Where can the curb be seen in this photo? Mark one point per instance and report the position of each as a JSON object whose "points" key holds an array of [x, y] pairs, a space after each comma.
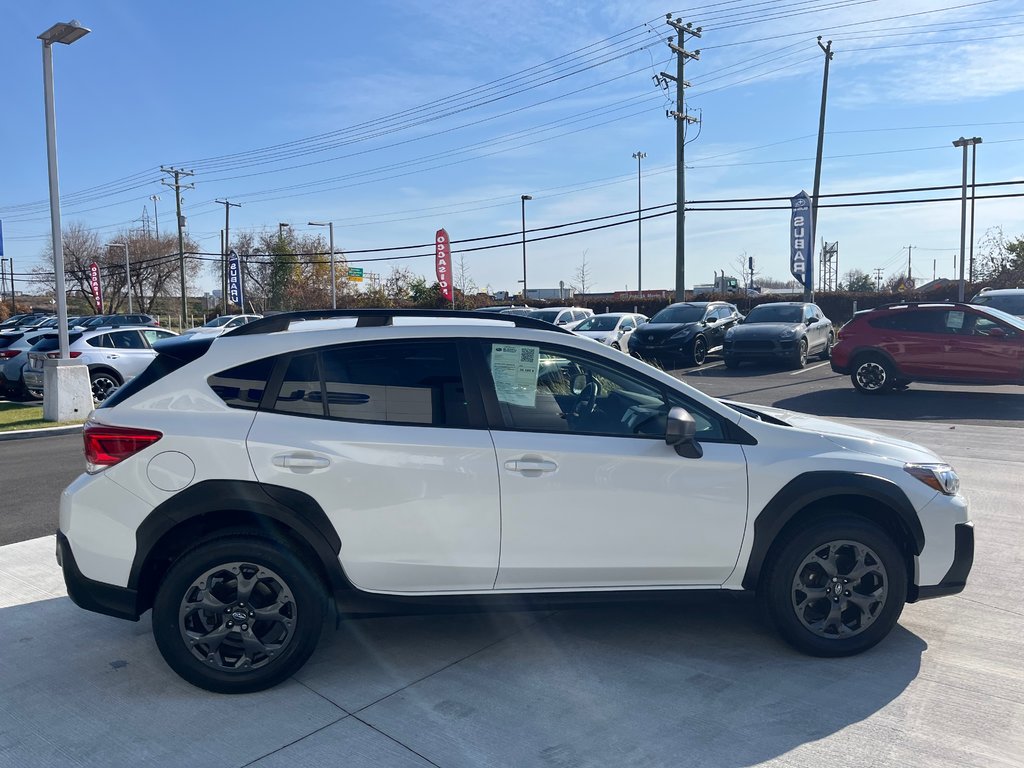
{"points": [[26, 434]]}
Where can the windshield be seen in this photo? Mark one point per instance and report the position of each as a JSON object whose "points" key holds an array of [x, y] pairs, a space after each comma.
{"points": [[1012, 303], [547, 315], [599, 323], [217, 322], [1006, 317], [680, 314], [775, 314]]}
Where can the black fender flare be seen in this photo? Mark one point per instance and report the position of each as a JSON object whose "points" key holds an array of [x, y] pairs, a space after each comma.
{"points": [[280, 506], [811, 487]]}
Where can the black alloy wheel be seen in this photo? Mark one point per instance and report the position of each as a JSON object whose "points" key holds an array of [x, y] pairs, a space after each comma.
{"points": [[872, 375], [103, 385], [837, 587], [700, 351], [238, 614]]}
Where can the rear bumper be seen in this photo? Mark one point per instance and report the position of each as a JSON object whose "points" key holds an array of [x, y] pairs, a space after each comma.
{"points": [[956, 577], [32, 379], [120, 602]]}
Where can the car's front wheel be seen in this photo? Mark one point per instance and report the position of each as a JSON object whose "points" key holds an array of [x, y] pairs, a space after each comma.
{"points": [[830, 342], [800, 358], [837, 587], [700, 351], [237, 615], [872, 375], [731, 362]]}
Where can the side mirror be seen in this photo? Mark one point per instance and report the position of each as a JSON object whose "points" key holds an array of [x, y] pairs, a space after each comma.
{"points": [[579, 382], [711, 321], [680, 433], [997, 333]]}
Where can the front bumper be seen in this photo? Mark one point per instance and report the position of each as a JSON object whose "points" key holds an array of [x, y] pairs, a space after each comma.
{"points": [[759, 349], [110, 600], [956, 577], [668, 350]]}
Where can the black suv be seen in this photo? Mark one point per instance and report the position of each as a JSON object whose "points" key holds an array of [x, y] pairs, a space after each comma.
{"points": [[686, 331]]}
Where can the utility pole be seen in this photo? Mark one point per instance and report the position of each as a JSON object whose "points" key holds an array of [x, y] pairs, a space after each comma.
{"points": [[910, 274], [224, 250], [974, 169], [682, 121], [827, 49], [964, 143], [178, 186], [156, 216], [878, 279]]}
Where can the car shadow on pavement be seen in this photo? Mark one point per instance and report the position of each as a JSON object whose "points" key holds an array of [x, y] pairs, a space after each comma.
{"points": [[910, 405], [693, 681]]}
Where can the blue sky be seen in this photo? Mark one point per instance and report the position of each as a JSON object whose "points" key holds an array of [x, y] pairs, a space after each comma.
{"points": [[189, 83]]}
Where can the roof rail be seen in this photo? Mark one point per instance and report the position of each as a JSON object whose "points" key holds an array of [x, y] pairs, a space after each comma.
{"points": [[370, 318], [931, 303]]}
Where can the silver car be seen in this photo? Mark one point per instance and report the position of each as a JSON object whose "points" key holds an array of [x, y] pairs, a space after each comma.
{"points": [[14, 347], [611, 328], [113, 356]]}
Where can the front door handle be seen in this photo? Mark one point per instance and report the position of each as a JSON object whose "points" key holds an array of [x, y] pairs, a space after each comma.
{"points": [[300, 461], [530, 465]]}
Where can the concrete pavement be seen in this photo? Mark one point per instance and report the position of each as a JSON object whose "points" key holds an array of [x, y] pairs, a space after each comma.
{"points": [[698, 683]]}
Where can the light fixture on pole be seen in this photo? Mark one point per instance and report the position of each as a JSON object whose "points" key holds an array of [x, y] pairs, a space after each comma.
{"points": [[127, 272], [522, 200], [60, 404], [638, 156], [330, 229], [964, 143], [280, 229]]}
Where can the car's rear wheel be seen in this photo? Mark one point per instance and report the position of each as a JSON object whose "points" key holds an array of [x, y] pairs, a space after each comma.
{"points": [[238, 614], [700, 351], [103, 385], [830, 342], [872, 375], [837, 587]]}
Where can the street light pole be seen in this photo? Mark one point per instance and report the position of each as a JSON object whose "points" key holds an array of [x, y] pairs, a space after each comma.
{"points": [[638, 156], [67, 395], [156, 216], [330, 229], [522, 201], [964, 143], [127, 273]]}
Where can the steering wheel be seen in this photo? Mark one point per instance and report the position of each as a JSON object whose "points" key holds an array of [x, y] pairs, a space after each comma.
{"points": [[587, 400]]}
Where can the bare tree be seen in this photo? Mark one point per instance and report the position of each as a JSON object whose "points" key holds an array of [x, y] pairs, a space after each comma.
{"points": [[581, 278], [463, 280]]}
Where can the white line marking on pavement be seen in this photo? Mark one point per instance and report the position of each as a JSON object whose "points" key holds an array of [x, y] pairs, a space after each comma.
{"points": [[802, 370]]}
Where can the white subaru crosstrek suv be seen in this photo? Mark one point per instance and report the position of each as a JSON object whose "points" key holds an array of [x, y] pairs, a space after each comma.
{"points": [[241, 482]]}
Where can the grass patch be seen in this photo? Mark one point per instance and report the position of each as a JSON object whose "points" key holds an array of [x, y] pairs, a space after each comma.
{"points": [[17, 416]]}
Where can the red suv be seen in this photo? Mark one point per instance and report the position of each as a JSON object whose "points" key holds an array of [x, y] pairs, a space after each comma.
{"points": [[946, 343]]}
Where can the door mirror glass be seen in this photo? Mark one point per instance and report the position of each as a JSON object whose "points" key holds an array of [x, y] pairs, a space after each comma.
{"points": [[711, 320], [680, 433]]}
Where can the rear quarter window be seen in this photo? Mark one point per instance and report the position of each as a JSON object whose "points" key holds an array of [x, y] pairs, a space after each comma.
{"points": [[243, 386]]}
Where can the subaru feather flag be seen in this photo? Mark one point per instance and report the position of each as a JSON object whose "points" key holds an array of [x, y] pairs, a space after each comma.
{"points": [[236, 291], [801, 241]]}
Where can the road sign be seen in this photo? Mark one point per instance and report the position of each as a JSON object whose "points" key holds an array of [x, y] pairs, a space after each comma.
{"points": [[355, 274]]}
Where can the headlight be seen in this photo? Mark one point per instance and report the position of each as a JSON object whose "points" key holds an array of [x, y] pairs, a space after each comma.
{"points": [[788, 334], [682, 334], [941, 477]]}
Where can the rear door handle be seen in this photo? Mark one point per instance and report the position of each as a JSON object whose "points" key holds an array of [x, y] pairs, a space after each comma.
{"points": [[300, 461], [530, 465]]}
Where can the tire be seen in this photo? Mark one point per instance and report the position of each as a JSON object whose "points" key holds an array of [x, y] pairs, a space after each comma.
{"points": [[615, 345], [250, 654], [817, 603], [826, 353], [872, 375], [800, 359], [103, 385], [700, 351], [731, 362]]}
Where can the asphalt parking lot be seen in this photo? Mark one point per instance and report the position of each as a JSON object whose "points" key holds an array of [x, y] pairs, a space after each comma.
{"points": [[698, 681]]}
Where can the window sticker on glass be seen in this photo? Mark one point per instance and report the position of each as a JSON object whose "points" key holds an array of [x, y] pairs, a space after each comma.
{"points": [[955, 320], [514, 369]]}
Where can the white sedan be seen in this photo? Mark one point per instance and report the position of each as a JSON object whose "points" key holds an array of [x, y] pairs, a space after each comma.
{"points": [[612, 328]]}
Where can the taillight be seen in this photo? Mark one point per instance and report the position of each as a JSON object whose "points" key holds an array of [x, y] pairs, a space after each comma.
{"points": [[7, 354], [56, 355], [107, 446]]}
